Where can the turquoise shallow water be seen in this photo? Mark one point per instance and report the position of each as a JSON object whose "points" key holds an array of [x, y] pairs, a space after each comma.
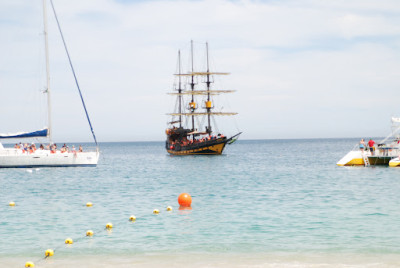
{"points": [[268, 197]]}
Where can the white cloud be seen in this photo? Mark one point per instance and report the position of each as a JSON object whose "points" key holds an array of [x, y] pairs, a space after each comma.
{"points": [[353, 25], [313, 68]]}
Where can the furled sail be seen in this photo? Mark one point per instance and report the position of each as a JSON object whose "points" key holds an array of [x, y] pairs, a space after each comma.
{"points": [[202, 74], [198, 114], [38, 133], [201, 92]]}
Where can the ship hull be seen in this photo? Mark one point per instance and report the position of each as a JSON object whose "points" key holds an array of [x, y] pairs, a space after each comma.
{"points": [[10, 158], [208, 148]]}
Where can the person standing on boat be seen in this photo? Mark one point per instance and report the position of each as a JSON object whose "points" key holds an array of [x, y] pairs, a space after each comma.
{"points": [[371, 144], [362, 145]]}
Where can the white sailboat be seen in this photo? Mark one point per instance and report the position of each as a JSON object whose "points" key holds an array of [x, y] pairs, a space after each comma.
{"points": [[47, 156]]}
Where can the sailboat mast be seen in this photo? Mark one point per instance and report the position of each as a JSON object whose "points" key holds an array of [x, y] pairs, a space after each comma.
{"points": [[46, 42], [180, 90], [208, 103], [192, 104]]}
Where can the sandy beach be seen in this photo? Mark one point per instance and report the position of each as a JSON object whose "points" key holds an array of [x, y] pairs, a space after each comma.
{"points": [[213, 260]]}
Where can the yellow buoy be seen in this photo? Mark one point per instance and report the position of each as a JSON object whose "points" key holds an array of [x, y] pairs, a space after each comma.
{"points": [[49, 253], [156, 211], [169, 208], [69, 241], [132, 218], [29, 264], [89, 204], [11, 204], [89, 233], [109, 225]]}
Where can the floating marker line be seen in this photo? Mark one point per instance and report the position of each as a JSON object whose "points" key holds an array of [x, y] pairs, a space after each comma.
{"points": [[109, 226]]}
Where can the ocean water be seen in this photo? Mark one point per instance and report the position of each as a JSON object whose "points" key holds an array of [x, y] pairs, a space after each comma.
{"points": [[264, 203]]}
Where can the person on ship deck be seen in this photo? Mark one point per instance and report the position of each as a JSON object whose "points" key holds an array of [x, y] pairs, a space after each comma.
{"points": [[371, 144], [362, 145]]}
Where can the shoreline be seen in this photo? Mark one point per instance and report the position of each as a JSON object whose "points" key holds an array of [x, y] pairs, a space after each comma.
{"points": [[221, 260]]}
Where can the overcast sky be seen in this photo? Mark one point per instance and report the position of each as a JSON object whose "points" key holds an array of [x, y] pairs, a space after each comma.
{"points": [[301, 69]]}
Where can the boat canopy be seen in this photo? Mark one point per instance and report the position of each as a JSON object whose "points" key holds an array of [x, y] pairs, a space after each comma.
{"points": [[38, 133], [197, 133], [395, 119]]}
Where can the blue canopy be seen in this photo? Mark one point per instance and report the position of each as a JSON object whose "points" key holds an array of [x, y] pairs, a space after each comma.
{"points": [[37, 133]]}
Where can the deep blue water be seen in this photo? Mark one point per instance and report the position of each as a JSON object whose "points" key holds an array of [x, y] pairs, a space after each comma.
{"points": [[259, 196]]}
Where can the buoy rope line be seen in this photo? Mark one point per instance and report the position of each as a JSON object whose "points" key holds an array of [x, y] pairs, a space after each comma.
{"points": [[51, 252], [184, 201], [89, 233]]}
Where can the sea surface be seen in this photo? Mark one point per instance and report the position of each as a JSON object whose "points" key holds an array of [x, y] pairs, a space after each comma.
{"points": [[263, 203]]}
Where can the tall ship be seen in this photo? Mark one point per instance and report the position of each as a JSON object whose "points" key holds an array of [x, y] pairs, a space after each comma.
{"points": [[192, 126], [27, 154]]}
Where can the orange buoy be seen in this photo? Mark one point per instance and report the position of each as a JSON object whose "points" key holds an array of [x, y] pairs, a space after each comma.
{"points": [[185, 200]]}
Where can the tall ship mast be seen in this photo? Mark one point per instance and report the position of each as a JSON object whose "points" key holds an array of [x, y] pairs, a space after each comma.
{"points": [[187, 134]]}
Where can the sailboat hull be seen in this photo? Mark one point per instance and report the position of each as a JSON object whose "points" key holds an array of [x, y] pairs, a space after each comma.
{"points": [[11, 158], [214, 148]]}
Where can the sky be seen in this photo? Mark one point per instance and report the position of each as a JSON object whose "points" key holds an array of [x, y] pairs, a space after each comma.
{"points": [[301, 69]]}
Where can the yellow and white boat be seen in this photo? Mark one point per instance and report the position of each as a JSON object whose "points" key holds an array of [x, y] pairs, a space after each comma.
{"points": [[395, 162], [385, 153]]}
